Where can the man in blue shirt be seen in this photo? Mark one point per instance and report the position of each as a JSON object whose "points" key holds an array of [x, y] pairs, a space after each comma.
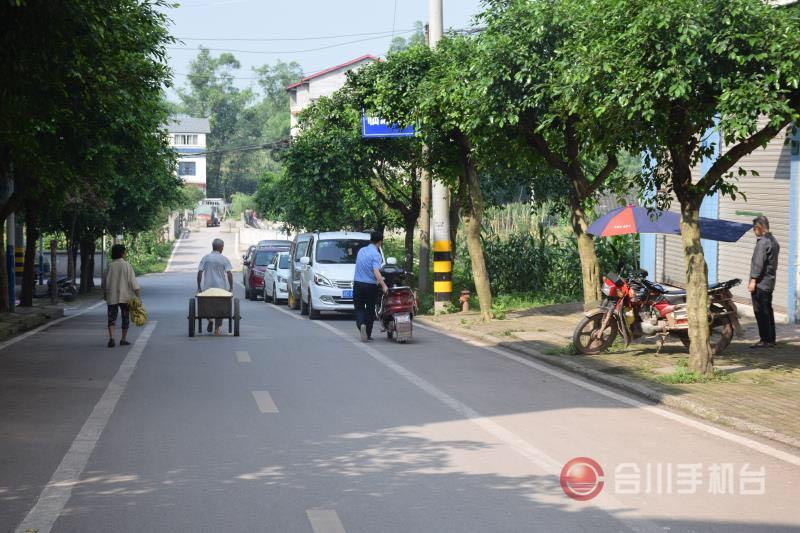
{"points": [[365, 284]]}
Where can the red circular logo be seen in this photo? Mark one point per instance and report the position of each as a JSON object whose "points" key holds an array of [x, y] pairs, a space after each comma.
{"points": [[582, 478]]}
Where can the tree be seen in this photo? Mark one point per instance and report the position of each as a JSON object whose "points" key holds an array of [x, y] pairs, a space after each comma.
{"points": [[681, 69], [356, 182], [239, 118], [213, 94], [529, 90], [431, 88], [417, 38], [85, 114]]}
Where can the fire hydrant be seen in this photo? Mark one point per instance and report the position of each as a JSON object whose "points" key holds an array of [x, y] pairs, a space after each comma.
{"points": [[464, 299]]}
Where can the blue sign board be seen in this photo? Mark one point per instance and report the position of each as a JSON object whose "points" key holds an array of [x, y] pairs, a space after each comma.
{"points": [[374, 128]]}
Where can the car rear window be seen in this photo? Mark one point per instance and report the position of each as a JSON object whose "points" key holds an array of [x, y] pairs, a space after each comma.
{"points": [[339, 251], [264, 258]]}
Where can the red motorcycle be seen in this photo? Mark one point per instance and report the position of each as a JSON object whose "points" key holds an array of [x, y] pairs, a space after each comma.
{"points": [[398, 306], [636, 308]]}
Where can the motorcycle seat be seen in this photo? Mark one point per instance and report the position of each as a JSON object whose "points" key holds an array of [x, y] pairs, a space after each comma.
{"points": [[675, 297]]}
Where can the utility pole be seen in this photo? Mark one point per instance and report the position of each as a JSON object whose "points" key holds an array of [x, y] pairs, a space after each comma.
{"points": [[440, 198], [425, 214]]}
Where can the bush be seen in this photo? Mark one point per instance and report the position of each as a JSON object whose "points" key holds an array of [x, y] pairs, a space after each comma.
{"points": [[147, 253], [541, 265], [240, 202]]}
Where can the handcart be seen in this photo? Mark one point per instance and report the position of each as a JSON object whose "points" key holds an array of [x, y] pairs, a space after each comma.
{"points": [[211, 307]]}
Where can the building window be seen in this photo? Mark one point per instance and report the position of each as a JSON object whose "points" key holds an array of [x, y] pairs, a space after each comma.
{"points": [[187, 168], [184, 139]]}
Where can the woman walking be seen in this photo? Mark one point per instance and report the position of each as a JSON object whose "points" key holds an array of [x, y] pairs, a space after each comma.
{"points": [[119, 288]]}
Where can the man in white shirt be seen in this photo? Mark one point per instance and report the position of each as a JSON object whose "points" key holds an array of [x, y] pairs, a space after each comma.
{"points": [[215, 272]]}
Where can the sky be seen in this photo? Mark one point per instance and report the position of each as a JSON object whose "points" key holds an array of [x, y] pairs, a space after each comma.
{"points": [[228, 24]]}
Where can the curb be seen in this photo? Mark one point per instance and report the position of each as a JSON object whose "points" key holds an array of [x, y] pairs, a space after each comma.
{"points": [[639, 389]]}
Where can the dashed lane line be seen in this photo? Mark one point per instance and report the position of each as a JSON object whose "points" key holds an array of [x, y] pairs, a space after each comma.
{"points": [[58, 490], [325, 521], [243, 357], [264, 401]]}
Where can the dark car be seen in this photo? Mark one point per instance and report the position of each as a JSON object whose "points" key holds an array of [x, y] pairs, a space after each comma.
{"points": [[254, 266]]}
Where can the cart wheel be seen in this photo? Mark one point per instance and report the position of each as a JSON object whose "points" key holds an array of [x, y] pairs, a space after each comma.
{"points": [[192, 313], [236, 317]]}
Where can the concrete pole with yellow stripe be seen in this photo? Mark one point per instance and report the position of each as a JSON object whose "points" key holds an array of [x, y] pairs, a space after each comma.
{"points": [[440, 198]]}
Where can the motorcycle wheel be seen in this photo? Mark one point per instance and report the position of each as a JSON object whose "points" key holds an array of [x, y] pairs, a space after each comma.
{"points": [[721, 336], [584, 342]]}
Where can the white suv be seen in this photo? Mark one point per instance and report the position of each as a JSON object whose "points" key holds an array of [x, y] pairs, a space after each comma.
{"points": [[326, 276]]}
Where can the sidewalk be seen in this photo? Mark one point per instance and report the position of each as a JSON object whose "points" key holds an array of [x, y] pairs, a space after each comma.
{"points": [[27, 318], [755, 390]]}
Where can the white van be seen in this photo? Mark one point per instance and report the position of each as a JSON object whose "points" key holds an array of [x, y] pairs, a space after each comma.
{"points": [[327, 271]]}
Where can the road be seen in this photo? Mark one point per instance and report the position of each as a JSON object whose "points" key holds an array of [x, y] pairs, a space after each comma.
{"points": [[296, 426]]}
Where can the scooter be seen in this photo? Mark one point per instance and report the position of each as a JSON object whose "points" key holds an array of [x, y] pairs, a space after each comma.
{"points": [[398, 305]]}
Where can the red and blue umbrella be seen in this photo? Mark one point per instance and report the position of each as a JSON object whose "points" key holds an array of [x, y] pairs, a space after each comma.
{"points": [[635, 219]]}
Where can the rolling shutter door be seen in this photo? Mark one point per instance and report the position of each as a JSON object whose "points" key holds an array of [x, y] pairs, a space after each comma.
{"points": [[672, 269], [768, 193]]}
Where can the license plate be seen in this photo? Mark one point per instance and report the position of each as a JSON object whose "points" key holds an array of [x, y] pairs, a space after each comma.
{"points": [[405, 317], [348, 294]]}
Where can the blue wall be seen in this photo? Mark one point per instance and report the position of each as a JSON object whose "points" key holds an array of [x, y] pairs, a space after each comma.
{"points": [[710, 206], [791, 305], [709, 209]]}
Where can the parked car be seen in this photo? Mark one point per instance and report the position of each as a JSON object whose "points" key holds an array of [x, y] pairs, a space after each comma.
{"points": [[275, 242], [326, 279], [296, 252], [276, 278], [255, 266]]}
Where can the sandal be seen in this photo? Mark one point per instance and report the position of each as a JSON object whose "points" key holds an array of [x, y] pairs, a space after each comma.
{"points": [[111, 343], [124, 343]]}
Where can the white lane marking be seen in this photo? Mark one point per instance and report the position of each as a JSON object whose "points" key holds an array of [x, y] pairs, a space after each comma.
{"points": [[243, 357], [178, 243], [43, 327], [325, 521], [264, 401], [665, 413], [511, 439], [56, 493]]}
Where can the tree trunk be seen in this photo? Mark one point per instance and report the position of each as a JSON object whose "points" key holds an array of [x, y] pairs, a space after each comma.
{"points": [[4, 304], [701, 359], [29, 270], [86, 250], [473, 220], [590, 266], [408, 226], [425, 233], [455, 219]]}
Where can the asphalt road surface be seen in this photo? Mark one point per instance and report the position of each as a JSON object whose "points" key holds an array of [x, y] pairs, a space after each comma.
{"points": [[296, 426]]}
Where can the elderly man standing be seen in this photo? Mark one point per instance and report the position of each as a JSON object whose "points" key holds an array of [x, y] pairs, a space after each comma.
{"points": [[763, 272], [215, 272]]}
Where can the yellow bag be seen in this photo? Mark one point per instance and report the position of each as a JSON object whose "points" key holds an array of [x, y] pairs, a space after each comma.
{"points": [[138, 312]]}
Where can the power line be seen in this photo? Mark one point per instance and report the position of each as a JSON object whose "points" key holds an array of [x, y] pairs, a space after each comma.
{"points": [[274, 39], [280, 143], [284, 51]]}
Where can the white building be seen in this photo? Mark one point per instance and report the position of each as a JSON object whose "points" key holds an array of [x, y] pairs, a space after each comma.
{"points": [[323, 83], [188, 137]]}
